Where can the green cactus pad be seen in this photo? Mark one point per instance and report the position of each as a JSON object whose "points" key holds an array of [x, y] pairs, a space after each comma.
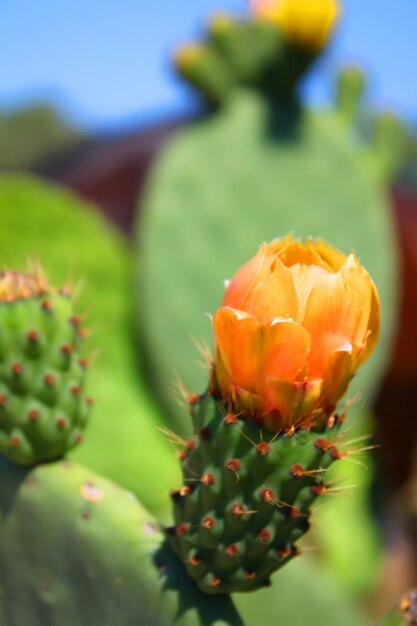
{"points": [[246, 496], [43, 406], [77, 549]]}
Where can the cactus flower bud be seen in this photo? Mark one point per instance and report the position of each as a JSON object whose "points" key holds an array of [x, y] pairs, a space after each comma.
{"points": [[43, 406], [295, 323], [307, 23]]}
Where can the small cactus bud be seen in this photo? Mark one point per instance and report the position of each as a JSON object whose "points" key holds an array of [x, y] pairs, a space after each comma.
{"points": [[32, 310]]}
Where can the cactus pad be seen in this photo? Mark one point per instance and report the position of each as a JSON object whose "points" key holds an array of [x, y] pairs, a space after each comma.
{"points": [[43, 408], [246, 496]]}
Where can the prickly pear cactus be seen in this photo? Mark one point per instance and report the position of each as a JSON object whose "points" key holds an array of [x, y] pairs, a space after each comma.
{"points": [[79, 549], [43, 405], [42, 221], [246, 496]]}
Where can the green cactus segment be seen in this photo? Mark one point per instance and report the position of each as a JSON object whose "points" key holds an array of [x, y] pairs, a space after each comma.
{"points": [[236, 53], [43, 406], [246, 496], [78, 549]]}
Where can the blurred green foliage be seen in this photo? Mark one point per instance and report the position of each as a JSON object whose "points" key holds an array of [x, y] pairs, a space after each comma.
{"points": [[34, 135]]}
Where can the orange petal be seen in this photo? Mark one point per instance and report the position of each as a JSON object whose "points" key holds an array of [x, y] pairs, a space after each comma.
{"points": [[324, 309], [274, 294], [333, 257], [373, 324], [301, 253], [239, 342], [354, 322], [281, 396], [290, 403], [305, 277], [286, 349], [245, 401], [243, 282], [339, 374]]}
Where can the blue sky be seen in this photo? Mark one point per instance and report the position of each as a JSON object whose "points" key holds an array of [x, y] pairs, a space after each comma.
{"points": [[105, 63]]}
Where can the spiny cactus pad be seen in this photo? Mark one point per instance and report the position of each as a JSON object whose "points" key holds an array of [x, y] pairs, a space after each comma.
{"points": [[43, 408], [246, 496]]}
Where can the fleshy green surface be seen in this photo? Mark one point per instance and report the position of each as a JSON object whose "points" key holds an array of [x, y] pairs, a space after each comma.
{"points": [[225, 185], [43, 406], [71, 239], [99, 560], [78, 550]]}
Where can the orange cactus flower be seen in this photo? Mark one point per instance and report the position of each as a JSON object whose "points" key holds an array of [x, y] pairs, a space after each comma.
{"points": [[307, 23], [295, 323]]}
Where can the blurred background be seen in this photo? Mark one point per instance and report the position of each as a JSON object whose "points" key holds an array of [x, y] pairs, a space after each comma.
{"points": [[150, 175]]}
